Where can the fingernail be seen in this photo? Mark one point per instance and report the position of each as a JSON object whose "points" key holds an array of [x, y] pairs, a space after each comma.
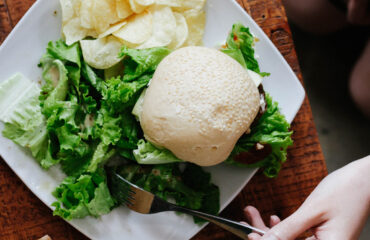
{"points": [[274, 217], [247, 213], [246, 208]]}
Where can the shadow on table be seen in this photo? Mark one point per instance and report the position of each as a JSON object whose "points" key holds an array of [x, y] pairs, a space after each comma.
{"points": [[326, 63]]}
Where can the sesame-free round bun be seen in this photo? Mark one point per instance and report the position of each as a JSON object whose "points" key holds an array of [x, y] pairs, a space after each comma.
{"points": [[198, 104]]}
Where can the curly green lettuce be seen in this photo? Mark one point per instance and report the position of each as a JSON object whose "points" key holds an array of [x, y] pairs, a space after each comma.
{"points": [[81, 196], [147, 153], [240, 46], [139, 62], [271, 132]]}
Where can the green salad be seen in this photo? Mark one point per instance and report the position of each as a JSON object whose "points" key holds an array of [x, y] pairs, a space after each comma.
{"points": [[83, 119]]}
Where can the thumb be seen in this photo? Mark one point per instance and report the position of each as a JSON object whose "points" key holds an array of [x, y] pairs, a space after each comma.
{"points": [[294, 225]]}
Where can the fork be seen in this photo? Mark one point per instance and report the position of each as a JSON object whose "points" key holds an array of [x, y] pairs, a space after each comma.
{"points": [[142, 201]]}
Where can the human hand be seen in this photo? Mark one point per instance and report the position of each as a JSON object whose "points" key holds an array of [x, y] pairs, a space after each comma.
{"points": [[358, 12], [254, 218], [336, 209]]}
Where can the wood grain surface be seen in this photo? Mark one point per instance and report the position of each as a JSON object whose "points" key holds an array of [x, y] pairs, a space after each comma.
{"points": [[24, 216]]}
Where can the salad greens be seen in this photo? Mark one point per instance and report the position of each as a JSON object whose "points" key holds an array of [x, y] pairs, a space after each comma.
{"points": [[272, 129], [85, 195], [21, 113], [190, 188], [239, 45], [82, 118], [147, 153]]}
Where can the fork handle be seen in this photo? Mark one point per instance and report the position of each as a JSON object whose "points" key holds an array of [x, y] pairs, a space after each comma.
{"points": [[237, 228]]}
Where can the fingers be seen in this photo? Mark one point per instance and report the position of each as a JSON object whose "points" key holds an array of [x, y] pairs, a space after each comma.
{"points": [[293, 226], [254, 218], [289, 229], [274, 220]]}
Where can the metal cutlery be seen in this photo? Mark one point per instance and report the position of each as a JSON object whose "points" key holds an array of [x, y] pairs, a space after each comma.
{"points": [[142, 201]]}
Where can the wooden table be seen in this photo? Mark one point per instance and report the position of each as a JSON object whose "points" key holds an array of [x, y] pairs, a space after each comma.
{"points": [[24, 216]]}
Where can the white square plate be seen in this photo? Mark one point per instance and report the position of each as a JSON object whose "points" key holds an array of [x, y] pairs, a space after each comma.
{"points": [[24, 47]]}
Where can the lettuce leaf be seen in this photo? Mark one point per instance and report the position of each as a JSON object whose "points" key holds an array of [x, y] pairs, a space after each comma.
{"points": [[108, 127], [19, 104], [81, 196], [59, 92], [147, 153], [272, 130], [69, 55], [240, 46], [92, 77], [101, 155], [138, 62], [24, 123], [119, 94]]}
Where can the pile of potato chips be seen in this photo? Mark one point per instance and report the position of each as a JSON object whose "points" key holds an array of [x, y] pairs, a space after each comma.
{"points": [[134, 23]]}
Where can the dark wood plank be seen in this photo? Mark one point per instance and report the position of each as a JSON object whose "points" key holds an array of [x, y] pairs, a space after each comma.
{"points": [[17, 8], [23, 216], [5, 21]]}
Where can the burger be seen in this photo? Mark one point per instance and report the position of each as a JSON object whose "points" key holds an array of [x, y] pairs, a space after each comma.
{"points": [[206, 106], [199, 103]]}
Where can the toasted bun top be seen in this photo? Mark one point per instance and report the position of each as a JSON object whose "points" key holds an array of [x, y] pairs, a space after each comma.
{"points": [[199, 102]]}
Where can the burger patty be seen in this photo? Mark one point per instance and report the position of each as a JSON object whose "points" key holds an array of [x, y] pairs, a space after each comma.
{"points": [[257, 153]]}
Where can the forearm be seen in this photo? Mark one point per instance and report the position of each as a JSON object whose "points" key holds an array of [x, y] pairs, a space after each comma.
{"points": [[363, 175], [361, 203]]}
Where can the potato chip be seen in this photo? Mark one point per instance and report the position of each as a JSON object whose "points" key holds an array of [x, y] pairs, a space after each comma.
{"points": [[123, 9], [190, 4], [144, 2], [73, 31], [137, 30], [140, 5], [104, 14], [164, 26], [113, 28], [92, 33], [169, 3], [135, 23], [129, 45], [69, 8], [196, 21], [85, 13], [181, 32], [101, 53]]}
